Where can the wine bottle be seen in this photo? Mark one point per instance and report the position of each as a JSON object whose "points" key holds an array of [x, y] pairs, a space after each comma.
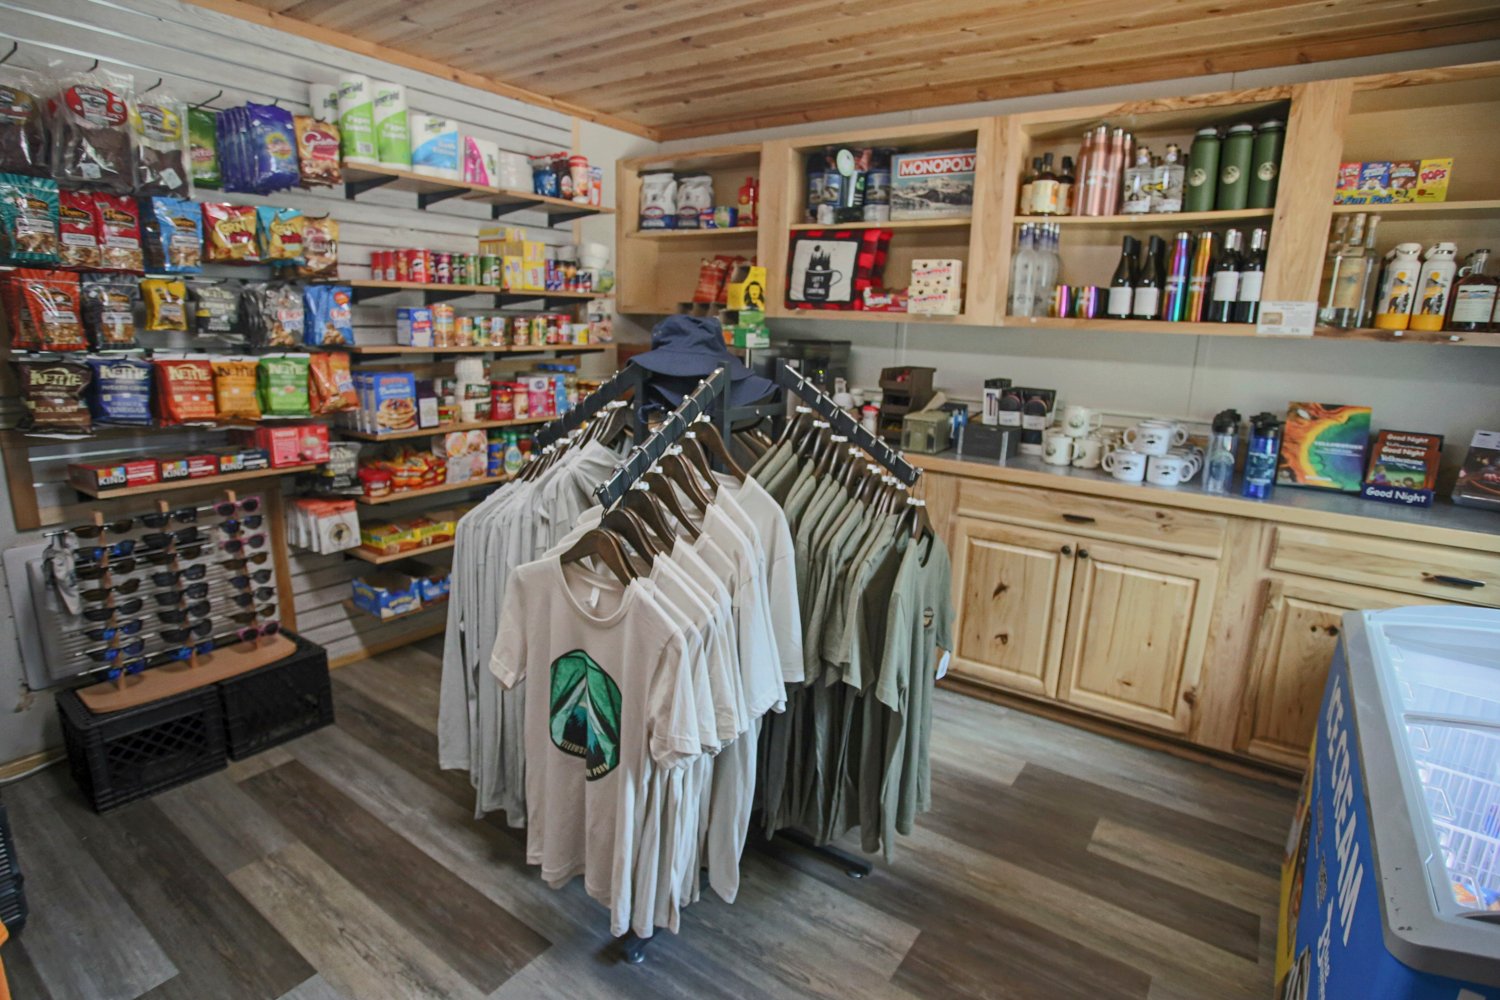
{"points": [[1472, 304], [1066, 182], [1224, 281], [1027, 183], [1252, 274], [1044, 189], [1146, 301], [1122, 285]]}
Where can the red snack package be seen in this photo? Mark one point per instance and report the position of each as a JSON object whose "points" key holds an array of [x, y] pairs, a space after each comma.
{"points": [[332, 383], [78, 228], [119, 228], [44, 309], [185, 391], [229, 233]]}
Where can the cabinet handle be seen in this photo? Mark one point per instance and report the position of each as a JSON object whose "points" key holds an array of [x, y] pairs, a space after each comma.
{"points": [[1067, 550], [1078, 519], [1083, 553], [1453, 581]]}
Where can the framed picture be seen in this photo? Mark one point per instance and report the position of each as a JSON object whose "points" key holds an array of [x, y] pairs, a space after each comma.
{"points": [[822, 269]]}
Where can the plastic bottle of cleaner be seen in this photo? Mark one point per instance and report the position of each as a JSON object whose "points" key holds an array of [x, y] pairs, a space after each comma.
{"points": [[1398, 288], [1260, 457], [1218, 470], [1435, 285]]}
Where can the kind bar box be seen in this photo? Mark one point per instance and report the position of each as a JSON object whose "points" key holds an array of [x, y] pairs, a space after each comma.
{"points": [[1324, 446], [1478, 483], [932, 185], [94, 477], [936, 287]]}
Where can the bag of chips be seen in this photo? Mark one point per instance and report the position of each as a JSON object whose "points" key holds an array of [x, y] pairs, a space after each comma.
{"points": [[317, 151], [91, 135], [320, 248], [215, 309], [203, 147], [119, 223], [53, 392], [332, 386], [272, 147], [28, 220], [78, 230], [44, 311], [122, 391], [23, 123], [159, 122], [229, 233], [326, 316], [185, 391], [236, 389], [166, 304], [174, 235], [280, 232], [283, 385], [109, 311], [273, 313]]}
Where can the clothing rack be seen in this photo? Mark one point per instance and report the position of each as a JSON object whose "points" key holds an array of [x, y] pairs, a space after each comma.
{"points": [[712, 390], [841, 423], [621, 383]]}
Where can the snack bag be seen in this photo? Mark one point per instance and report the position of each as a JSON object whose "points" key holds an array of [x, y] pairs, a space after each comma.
{"points": [[92, 145], [283, 385], [166, 304], [174, 235], [53, 392], [229, 233], [320, 248], [109, 311], [273, 314], [280, 233], [159, 123], [332, 386], [78, 230], [119, 223], [185, 391], [122, 391], [44, 311], [272, 149], [203, 148], [23, 123], [317, 151], [235, 389], [28, 220], [214, 308], [326, 316]]}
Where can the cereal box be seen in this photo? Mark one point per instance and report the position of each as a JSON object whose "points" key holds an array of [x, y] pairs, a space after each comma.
{"points": [[937, 185], [1403, 181], [1432, 179], [1347, 185], [414, 326]]}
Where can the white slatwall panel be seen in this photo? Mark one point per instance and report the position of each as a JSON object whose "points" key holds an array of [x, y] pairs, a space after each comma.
{"points": [[198, 53]]}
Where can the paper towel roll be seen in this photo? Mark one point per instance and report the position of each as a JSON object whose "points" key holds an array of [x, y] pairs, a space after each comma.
{"points": [[481, 161], [356, 119], [392, 135], [434, 146], [324, 98]]}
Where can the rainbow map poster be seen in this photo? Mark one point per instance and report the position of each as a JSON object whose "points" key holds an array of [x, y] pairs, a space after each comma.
{"points": [[1324, 446]]}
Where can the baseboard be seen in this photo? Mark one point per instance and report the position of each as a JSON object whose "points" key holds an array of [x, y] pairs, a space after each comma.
{"points": [[31, 761]]}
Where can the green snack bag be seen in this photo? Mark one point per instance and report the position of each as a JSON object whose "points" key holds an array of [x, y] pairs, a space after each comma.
{"points": [[203, 147], [281, 383]]}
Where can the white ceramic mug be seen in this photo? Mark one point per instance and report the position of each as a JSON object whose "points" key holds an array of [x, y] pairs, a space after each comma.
{"points": [[1192, 456], [1059, 448], [1125, 465], [1155, 437], [1079, 421], [1168, 470], [1089, 454]]}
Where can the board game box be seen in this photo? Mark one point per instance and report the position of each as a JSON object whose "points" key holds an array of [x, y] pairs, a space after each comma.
{"points": [[938, 185]]}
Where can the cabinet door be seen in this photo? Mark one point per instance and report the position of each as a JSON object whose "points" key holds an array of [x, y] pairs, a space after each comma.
{"points": [[1293, 646], [1012, 587], [1137, 624]]}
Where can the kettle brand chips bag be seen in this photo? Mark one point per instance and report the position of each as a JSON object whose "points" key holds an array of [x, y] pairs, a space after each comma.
{"points": [[122, 391], [109, 311], [28, 220], [283, 385], [44, 311], [236, 389], [185, 391], [166, 304], [53, 394]]}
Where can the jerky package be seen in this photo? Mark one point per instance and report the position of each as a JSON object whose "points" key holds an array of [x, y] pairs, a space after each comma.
{"points": [[77, 230], [91, 135], [53, 392], [44, 311], [28, 220], [118, 219], [203, 147], [23, 123], [109, 311], [159, 124], [214, 309], [174, 235], [122, 391]]}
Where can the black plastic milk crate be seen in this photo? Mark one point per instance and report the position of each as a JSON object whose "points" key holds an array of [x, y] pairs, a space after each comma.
{"points": [[122, 756], [277, 702], [10, 868]]}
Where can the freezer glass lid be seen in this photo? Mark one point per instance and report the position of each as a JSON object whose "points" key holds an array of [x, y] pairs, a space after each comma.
{"points": [[1447, 683]]}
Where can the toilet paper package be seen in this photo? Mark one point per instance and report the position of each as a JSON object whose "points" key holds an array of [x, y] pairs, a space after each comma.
{"points": [[324, 98], [356, 119], [434, 146], [392, 130], [481, 162]]}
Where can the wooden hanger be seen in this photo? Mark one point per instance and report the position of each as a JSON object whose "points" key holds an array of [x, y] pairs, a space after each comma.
{"points": [[643, 501], [797, 424], [706, 434], [679, 471], [663, 492], [693, 449], [629, 526], [603, 545]]}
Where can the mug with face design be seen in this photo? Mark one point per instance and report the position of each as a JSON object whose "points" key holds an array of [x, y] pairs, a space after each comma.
{"points": [[1089, 454], [1059, 448], [1149, 438], [1079, 421], [1192, 457], [1168, 470], [1126, 466]]}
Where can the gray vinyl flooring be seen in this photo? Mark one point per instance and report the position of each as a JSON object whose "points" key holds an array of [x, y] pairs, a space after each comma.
{"points": [[1056, 864]]}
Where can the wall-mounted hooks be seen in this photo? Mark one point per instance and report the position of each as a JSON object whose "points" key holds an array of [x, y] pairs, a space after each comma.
{"points": [[153, 86], [13, 47], [204, 104], [94, 67]]}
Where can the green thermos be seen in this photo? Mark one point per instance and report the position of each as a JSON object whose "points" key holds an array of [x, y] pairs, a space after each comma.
{"points": [[1234, 168], [1202, 172], [1265, 162]]}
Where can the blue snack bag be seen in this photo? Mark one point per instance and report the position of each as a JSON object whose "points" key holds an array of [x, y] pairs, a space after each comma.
{"points": [[121, 391], [327, 316]]}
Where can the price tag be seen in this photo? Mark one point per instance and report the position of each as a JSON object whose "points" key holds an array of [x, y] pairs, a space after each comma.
{"points": [[1286, 319]]}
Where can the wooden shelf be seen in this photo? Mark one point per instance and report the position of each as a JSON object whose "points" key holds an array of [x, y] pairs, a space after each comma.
{"points": [[349, 605], [1154, 220], [474, 425], [685, 234], [379, 349], [899, 224], [433, 490], [859, 315], [1427, 209], [365, 288], [185, 484], [359, 178], [1248, 330], [381, 558]]}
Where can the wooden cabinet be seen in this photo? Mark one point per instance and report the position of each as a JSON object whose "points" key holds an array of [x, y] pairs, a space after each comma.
{"points": [[1137, 624], [1012, 587]]}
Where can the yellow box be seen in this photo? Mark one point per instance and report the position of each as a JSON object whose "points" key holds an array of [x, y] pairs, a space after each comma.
{"points": [[535, 276], [1432, 179], [382, 536], [502, 241], [512, 272], [534, 252]]}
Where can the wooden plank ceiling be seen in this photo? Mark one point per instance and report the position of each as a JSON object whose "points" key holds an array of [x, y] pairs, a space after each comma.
{"points": [[678, 68]]}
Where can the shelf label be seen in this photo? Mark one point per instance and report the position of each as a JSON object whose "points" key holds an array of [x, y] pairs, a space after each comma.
{"points": [[1286, 319]]}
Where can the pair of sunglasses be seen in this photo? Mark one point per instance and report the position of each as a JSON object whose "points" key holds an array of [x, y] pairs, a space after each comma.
{"points": [[245, 562], [120, 566], [178, 616], [250, 617], [171, 539], [107, 614], [110, 654], [114, 551], [162, 558], [103, 593], [233, 527], [234, 546], [108, 633], [246, 599], [250, 633], [227, 508], [96, 530], [166, 578], [182, 653], [197, 630], [125, 669], [243, 581], [192, 592], [182, 515]]}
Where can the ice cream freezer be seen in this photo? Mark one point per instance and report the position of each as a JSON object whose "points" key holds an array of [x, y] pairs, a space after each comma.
{"points": [[1390, 887]]}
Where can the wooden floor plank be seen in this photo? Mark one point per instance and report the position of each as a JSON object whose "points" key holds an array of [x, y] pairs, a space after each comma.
{"points": [[22, 975], [401, 740], [356, 946], [73, 902], [229, 827], [481, 941], [316, 988], [404, 681], [1233, 883]]}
